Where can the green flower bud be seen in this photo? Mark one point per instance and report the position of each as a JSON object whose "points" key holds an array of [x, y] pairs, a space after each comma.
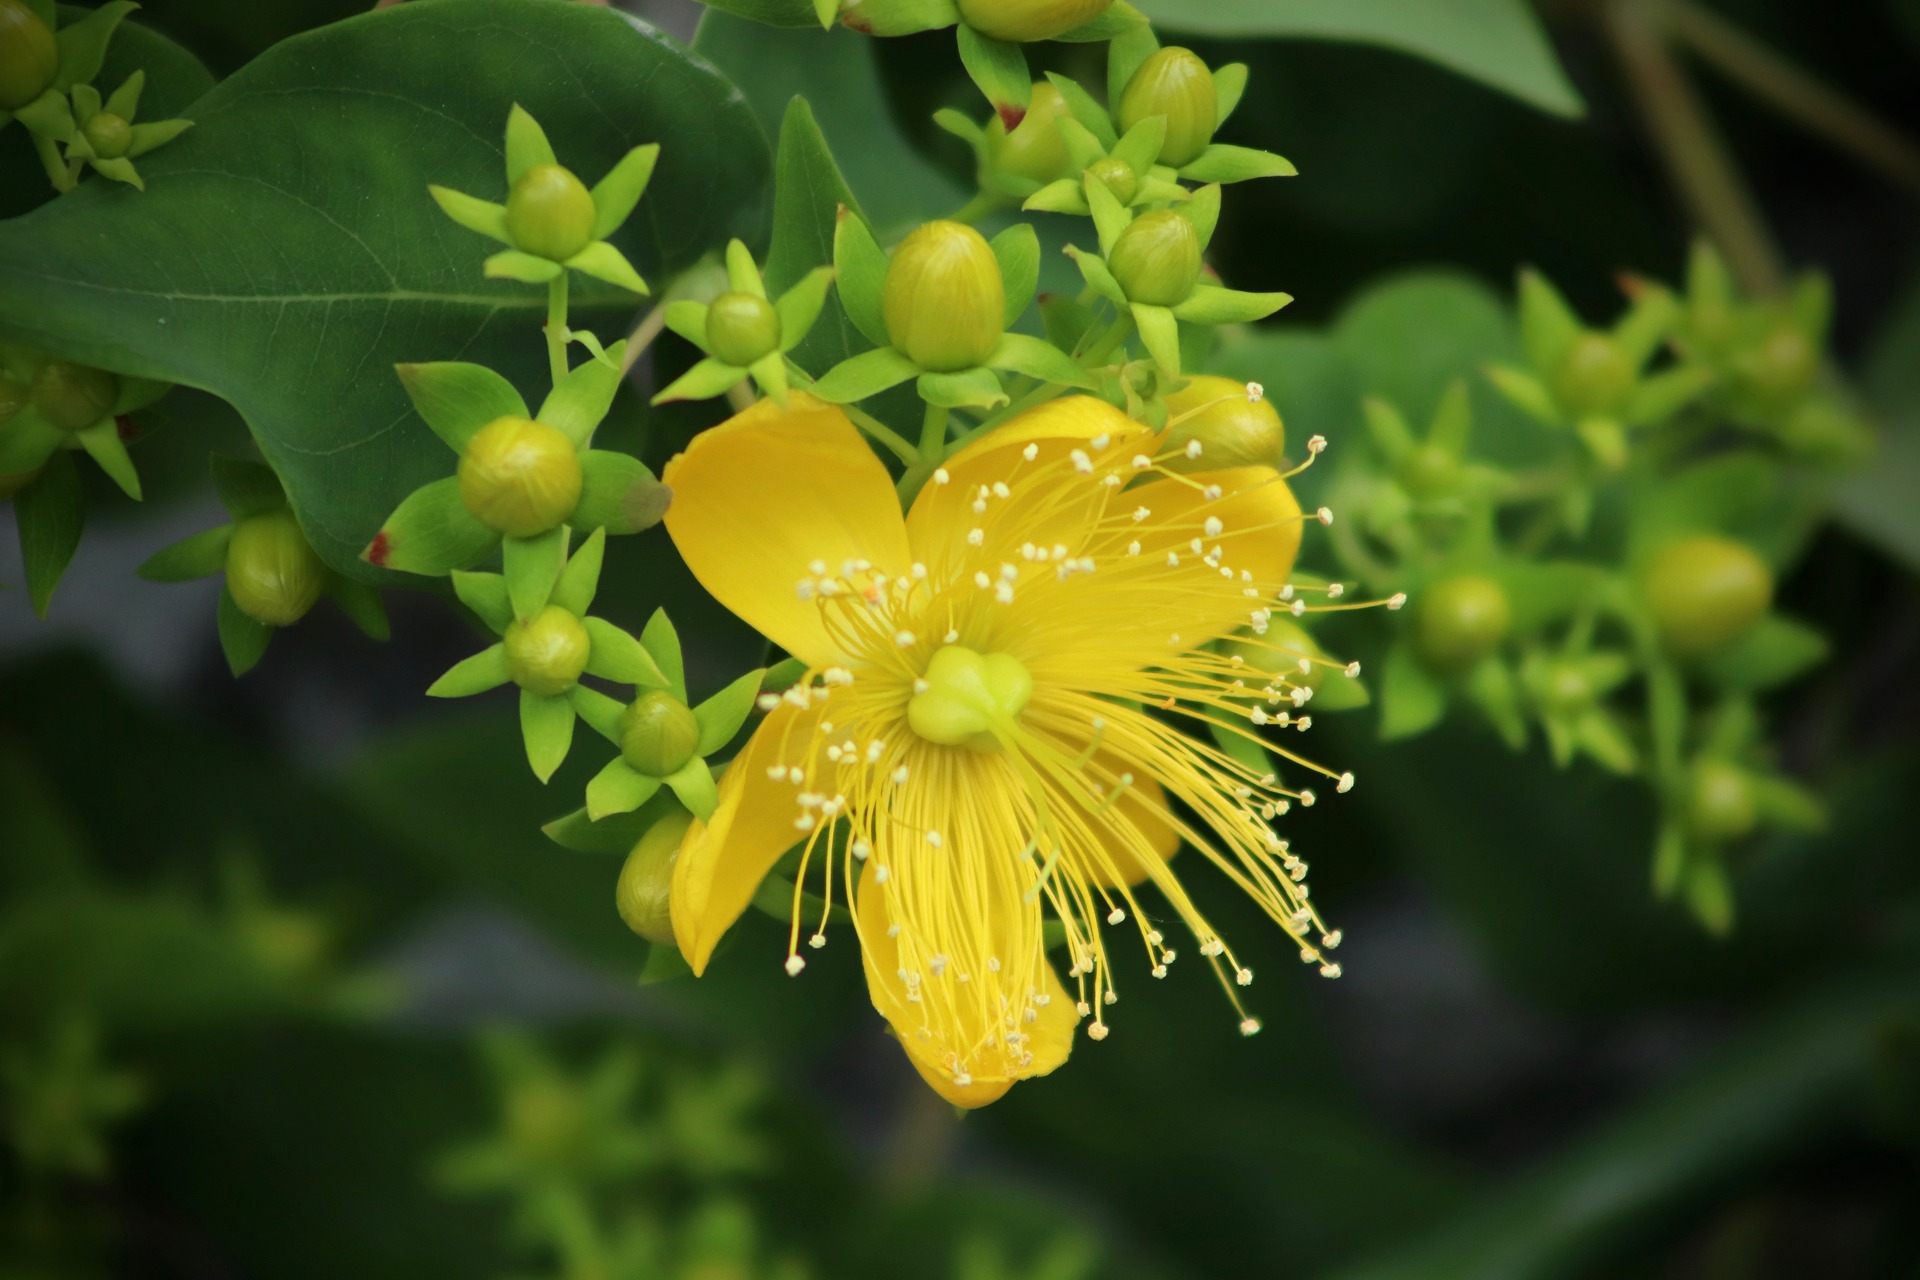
{"points": [[1118, 176], [1781, 367], [1285, 636], [1176, 84], [519, 477], [1458, 621], [645, 890], [741, 328], [28, 55], [547, 652], [1428, 471], [550, 213], [1594, 376], [1026, 20], [1563, 688], [272, 572], [1157, 259], [944, 302], [1233, 431], [108, 135], [1705, 592], [72, 396], [1034, 148], [546, 1122], [658, 734], [1720, 802], [13, 398]]}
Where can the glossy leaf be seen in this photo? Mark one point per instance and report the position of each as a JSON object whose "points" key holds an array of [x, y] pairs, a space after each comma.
{"points": [[242, 639], [200, 556], [50, 513]]}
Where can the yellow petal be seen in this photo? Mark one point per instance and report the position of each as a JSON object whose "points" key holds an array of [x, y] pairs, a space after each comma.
{"points": [[761, 496], [723, 860], [960, 1055]]}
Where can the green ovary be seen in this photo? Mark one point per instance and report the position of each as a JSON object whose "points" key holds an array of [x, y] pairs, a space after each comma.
{"points": [[969, 699]]}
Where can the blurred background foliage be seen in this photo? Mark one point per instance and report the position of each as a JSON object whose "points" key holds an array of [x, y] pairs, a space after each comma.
{"points": [[291, 985]]}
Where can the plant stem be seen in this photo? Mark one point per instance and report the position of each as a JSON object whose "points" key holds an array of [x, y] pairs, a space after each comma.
{"points": [[932, 451], [740, 396], [886, 435], [557, 333], [642, 337], [1111, 341], [982, 204]]}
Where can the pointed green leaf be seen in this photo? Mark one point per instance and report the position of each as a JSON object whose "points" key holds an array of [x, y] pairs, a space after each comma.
{"points": [[120, 170], [615, 834], [511, 264], [532, 566], [1548, 325], [581, 578], [1493, 689], [1110, 217], [361, 604], [1210, 304], [618, 788], [694, 785], [1094, 269], [867, 374], [1116, 19], [1229, 84], [706, 379], [1811, 306], [125, 101], [1646, 325], [546, 727], [1091, 115], [527, 144], [1140, 146], [1669, 859], [1781, 803], [1452, 420], [860, 267], [1124, 57], [1411, 701], [800, 306], [663, 642], [242, 639], [601, 713], [50, 513], [770, 371], [1018, 251], [664, 962], [962, 127], [722, 715], [83, 44], [615, 195], [1020, 353], [473, 213], [619, 494], [155, 134], [743, 273], [604, 262], [456, 399], [1203, 211], [1063, 195], [486, 595], [1341, 693], [431, 533], [1221, 162], [999, 68], [688, 319], [1774, 651], [1389, 430], [970, 388], [1710, 894], [200, 556], [104, 445], [1666, 393], [485, 670], [618, 657], [1160, 335], [138, 393], [1601, 736], [579, 402], [1526, 393]]}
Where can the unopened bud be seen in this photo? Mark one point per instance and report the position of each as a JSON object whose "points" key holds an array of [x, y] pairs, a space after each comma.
{"points": [[1458, 621], [1564, 687], [944, 301], [645, 891], [1025, 20], [1033, 149], [550, 213], [520, 477], [272, 571], [1233, 430], [1176, 84], [1781, 367], [1705, 592], [74, 397], [1157, 259], [1117, 176], [658, 734], [742, 328], [1428, 471], [28, 55], [547, 652], [1594, 376], [108, 135], [1720, 802]]}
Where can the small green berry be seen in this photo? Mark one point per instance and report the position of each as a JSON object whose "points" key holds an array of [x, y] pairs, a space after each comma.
{"points": [[1027, 20], [1720, 802], [1705, 592], [550, 213], [1157, 259], [74, 397], [272, 571], [645, 889], [1458, 621], [1117, 176], [108, 135], [1428, 471], [742, 328], [519, 477], [944, 301], [28, 55], [1594, 376], [658, 734], [547, 652], [1174, 83]]}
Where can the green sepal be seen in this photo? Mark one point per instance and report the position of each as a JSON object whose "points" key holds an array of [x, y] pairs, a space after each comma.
{"points": [[1599, 733], [1160, 335], [361, 604], [601, 713], [800, 306], [473, 213], [743, 273], [687, 318], [867, 374], [706, 379], [242, 639], [1229, 84], [50, 120], [1084, 108], [580, 580], [1140, 146], [998, 68], [532, 567], [546, 727], [860, 267], [1774, 651], [246, 488], [1492, 688], [664, 962], [125, 101], [1211, 304], [618, 788], [969, 388], [512, 264], [1669, 858], [1094, 270], [527, 144], [1203, 211], [1062, 195], [26, 442], [770, 372], [119, 170], [50, 514], [1526, 393], [1411, 700], [615, 195], [663, 642], [1242, 745], [1780, 803], [618, 657], [1666, 393], [963, 127], [83, 44], [138, 393], [578, 402], [154, 134], [1341, 693], [104, 445], [431, 533], [1116, 20], [456, 399], [618, 493], [1110, 217], [200, 556], [604, 262], [1709, 894], [615, 834], [1221, 162], [1067, 321], [783, 675], [1021, 353], [1548, 325], [694, 785], [1645, 326], [1124, 55], [1388, 428], [483, 671], [721, 716], [486, 595], [1017, 249]]}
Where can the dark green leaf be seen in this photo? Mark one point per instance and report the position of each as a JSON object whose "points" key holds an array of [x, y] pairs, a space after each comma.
{"points": [[242, 639], [50, 513], [200, 556], [246, 488]]}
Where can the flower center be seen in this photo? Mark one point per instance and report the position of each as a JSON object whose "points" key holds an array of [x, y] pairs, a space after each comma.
{"points": [[969, 699]]}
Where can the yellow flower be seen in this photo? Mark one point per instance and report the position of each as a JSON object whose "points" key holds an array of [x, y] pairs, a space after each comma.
{"points": [[987, 732]]}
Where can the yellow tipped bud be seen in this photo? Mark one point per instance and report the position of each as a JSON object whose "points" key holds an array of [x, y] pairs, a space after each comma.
{"points": [[1720, 802], [1025, 20], [1458, 621], [72, 396], [547, 652], [1033, 148], [108, 135], [658, 734], [1705, 592], [1157, 259], [645, 891], [741, 328], [1233, 430], [944, 301], [519, 477], [1176, 84], [28, 55], [550, 213], [1594, 376], [272, 572]]}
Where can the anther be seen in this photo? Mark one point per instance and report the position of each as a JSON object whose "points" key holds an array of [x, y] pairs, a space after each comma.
{"points": [[1317, 444], [1193, 448], [899, 775], [1329, 970], [976, 537], [1324, 515], [903, 638], [794, 965], [817, 941], [881, 875], [767, 701], [941, 475], [1397, 600], [1098, 1031], [1255, 393], [862, 850], [1346, 783], [1116, 916], [934, 838], [1214, 526], [1031, 452], [1244, 977], [1250, 1027]]}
